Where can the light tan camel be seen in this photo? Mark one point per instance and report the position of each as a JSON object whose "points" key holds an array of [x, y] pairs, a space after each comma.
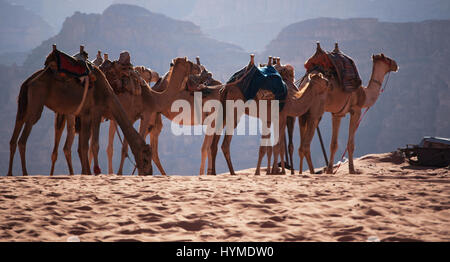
{"points": [[133, 103], [66, 95], [340, 103], [313, 90]]}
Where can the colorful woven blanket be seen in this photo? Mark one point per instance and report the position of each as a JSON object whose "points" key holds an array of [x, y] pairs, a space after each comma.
{"points": [[339, 64]]}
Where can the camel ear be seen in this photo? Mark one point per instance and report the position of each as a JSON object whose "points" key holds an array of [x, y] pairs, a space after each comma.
{"points": [[373, 56], [382, 55], [185, 58], [54, 47], [198, 60]]}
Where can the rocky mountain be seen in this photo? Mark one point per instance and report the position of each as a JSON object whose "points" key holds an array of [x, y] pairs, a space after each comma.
{"points": [[417, 98], [152, 39], [252, 24], [21, 29]]}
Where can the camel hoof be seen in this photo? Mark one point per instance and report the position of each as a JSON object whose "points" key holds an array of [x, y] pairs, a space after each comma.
{"points": [[355, 172], [97, 170], [257, 173], [9, 174], [318, 172]]}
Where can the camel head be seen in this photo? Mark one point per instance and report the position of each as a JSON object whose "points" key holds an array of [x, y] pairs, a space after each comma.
{"points": [[287, 72], [185, 69], [318, 81], [147, 74], [389, 63]]}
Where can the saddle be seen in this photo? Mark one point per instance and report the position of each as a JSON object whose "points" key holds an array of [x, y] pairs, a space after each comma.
{"points": [[71, 66], [254, 83], [204, 82], [336, 64]]}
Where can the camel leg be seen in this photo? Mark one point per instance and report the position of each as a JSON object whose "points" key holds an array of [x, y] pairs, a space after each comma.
{"points": [[94, 146], [214, 143], [269, 157], [123, 156], [13, 143], [154, 138], [69, 141], [334, 143], [60, 122], [263, 148], [306, 144], [110, 148], [262, 152], [204, 153], [302, 125], [83, 145], [354, 119], [278, 149], [290, 127]]}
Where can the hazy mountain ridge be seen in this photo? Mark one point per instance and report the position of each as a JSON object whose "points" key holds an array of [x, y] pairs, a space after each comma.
{"points": [[20, 28]]}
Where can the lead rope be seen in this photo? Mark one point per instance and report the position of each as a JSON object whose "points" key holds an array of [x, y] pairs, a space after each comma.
{"points": [[359, 121], [129, 159]]}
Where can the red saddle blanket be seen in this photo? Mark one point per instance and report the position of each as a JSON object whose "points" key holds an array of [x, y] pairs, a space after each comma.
{"points": [[71, 66], [339, 64]]}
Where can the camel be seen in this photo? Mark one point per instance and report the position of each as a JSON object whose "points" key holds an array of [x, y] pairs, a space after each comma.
{"points": [[211, 90], [339, 103], [309, 100], [133, 103], [65, 95]]}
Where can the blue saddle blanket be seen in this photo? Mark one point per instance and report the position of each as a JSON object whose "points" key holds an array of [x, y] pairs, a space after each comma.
{"points": [[257, 78]]}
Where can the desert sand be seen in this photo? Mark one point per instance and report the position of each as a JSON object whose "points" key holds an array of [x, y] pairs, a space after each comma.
{"points": [[389, 201]]}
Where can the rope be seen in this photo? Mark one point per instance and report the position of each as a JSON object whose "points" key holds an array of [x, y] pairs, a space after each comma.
{"points": [[129, 159], [359, 122]]}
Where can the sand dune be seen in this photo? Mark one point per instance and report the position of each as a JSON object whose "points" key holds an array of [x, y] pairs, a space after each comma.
{"points": [[389, 201]]}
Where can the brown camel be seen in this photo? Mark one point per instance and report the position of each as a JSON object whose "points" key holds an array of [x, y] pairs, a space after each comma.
{"points": [[339, 103], [66, 95]]}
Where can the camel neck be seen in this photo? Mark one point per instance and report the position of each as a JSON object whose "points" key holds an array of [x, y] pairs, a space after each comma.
{"points": [[168, 88], [298, 101], [375, 83]]}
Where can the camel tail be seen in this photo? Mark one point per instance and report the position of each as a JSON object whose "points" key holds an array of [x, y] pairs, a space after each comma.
{"points": [[22, 101]]}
